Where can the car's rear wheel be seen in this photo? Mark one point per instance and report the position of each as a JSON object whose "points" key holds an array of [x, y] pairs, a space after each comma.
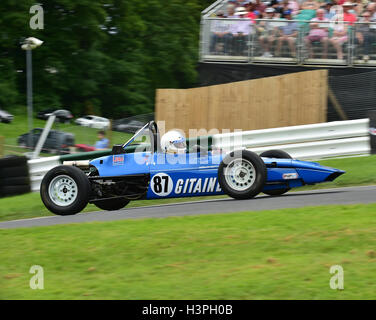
{"points": [[65, 190], [111, 204], [278, 154], [276, 192], [242, 174]]}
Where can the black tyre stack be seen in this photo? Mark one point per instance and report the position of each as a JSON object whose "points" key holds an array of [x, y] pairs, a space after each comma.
{"points": [[14, 176]]}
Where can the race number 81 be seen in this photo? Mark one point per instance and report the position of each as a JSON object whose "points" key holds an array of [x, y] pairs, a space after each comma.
{"points": [[162, 184]]}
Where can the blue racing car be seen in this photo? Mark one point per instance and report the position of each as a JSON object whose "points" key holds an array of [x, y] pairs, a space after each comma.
{"points": [[163, 168]]}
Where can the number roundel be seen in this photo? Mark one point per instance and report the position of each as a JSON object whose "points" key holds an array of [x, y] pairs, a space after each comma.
{"points": [[162, 184]]}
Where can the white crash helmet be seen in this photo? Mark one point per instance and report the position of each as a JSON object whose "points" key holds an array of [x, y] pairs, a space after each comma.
{"points": [[173, 142]]}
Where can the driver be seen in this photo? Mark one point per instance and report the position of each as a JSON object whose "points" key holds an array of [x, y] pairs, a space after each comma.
{"points": [[174, 142]]}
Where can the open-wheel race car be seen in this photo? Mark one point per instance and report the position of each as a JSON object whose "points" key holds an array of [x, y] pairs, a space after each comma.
{"points": [[150, 172]]}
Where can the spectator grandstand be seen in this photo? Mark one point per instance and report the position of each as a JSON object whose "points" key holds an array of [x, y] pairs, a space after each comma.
{"points": [[297, 32]]}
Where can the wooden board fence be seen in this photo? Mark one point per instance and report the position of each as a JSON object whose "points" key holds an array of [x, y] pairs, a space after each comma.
{"points": [[287, 100]]}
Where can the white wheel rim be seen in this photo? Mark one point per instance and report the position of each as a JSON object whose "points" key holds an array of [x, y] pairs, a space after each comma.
{"points": [[240, 174], [62, 190]]}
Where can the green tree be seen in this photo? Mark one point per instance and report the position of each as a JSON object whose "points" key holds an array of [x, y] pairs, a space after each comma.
{"points": [[103, 56]]}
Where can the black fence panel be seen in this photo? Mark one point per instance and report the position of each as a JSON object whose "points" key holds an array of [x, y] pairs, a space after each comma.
{"points": [[356, 93], [354, 88]]}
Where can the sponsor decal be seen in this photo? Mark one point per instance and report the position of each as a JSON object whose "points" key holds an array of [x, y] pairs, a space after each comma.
{"points": [[145, 160], [290, 176], [197, 185], [118, 160], [162, 185], [372, 131]]}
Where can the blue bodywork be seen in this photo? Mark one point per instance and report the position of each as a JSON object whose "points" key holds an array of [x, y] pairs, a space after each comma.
{"points": [[194, 174]]}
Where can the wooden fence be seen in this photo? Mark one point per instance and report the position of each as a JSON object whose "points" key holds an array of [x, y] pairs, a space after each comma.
{"points": [[287, 100]]}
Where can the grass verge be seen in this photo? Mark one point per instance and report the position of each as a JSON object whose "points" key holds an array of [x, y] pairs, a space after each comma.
{"points": [[280, 254]]}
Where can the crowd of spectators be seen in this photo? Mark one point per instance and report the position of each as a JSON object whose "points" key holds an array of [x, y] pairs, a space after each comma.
{"points": [[329, 25]]}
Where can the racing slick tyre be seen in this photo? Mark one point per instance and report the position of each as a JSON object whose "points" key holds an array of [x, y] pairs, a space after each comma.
{"points": [[65, 190], [279, 154], [112, 204], [276, 192], [242, 174]]}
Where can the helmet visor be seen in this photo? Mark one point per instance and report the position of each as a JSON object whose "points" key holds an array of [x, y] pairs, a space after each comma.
{"points": [[179, 144]]}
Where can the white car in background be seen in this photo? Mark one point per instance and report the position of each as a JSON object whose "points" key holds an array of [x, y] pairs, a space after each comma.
{"points": [[94, 122]]}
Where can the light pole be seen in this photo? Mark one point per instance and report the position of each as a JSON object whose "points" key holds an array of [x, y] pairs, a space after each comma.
{"points": [[29, 44]]}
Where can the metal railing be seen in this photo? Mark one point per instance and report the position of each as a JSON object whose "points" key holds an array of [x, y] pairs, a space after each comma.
{"points": [[312, 141], [297, 42]]}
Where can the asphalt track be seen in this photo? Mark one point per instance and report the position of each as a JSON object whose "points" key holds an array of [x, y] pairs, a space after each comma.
{"points": [[350, 195]]}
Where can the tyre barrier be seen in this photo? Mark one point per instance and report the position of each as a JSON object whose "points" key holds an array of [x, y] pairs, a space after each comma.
{"points": [[14, 176]]}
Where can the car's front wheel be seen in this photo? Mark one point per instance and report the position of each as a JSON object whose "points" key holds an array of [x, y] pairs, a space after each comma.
{"points": [[65, 190], [242, 174], [277, 154]]}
